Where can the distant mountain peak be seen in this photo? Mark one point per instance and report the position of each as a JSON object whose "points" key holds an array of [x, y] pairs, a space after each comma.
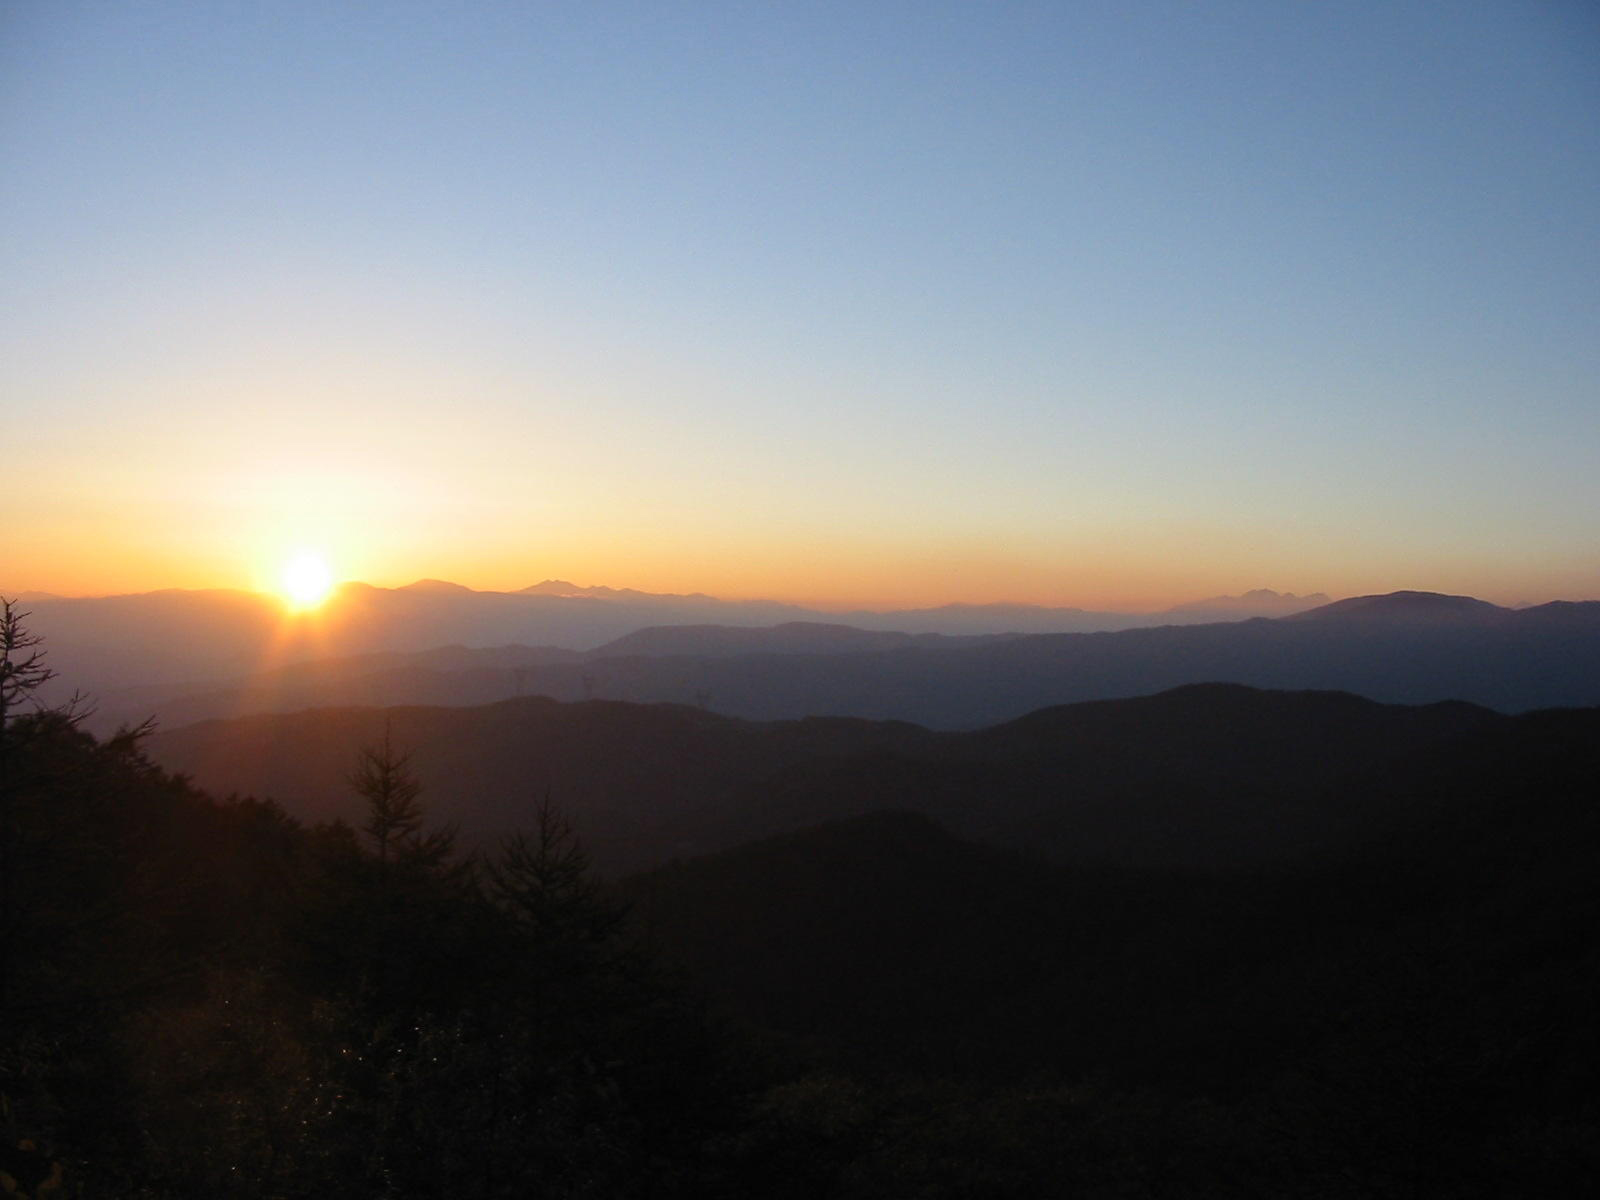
{"points": [[557, 587], [438, 586], [1409, 607], [562, 587]]}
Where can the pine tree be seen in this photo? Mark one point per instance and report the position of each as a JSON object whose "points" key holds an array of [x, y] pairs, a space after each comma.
{"points": [[22, 674], [383, 778], [544, 881], [22, 669]]}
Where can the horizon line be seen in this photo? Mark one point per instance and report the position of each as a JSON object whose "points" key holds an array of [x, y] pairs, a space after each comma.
{"points": [[30, 595]]}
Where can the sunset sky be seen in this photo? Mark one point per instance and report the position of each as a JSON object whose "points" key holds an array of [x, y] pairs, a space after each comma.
{"points": [[1110, 304]]}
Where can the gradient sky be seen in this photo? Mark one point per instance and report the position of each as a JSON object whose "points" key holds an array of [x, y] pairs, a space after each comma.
{"points": [[1086, 303]]}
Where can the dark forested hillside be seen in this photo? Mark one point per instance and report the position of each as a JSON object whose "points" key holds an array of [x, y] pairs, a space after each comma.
{"points": [[1199, 777], [210, 1000], [827, 931], [1412, 1015]]}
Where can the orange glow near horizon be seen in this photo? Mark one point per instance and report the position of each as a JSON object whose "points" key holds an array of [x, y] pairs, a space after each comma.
{"points": [[304, 583], [812, 571], [230, 517]]}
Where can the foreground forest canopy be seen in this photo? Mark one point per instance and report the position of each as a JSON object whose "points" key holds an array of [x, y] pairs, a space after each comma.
{"points": [[204, 996]]}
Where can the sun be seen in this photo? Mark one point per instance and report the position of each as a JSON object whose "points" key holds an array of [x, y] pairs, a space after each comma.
{"points": [[307, 581]]}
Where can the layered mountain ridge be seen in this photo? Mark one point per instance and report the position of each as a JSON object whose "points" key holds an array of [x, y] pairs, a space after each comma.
{"points": [[1408, 647], [1203, 776]]}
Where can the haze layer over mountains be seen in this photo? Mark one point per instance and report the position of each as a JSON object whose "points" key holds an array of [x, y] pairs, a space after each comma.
{"points": [[186, 656], [174, 636]]}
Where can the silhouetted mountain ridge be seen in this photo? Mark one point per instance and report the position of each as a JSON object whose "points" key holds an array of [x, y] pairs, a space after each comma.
{"points": [[1475, 916], [437, 586], [1412, 607], [1206, 776]]}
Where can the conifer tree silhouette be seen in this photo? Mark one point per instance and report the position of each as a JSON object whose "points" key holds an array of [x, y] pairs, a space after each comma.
{"points": [[383, 778]]}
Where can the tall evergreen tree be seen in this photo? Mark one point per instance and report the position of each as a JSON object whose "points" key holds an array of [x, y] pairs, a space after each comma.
{"points": [[383, 778]]}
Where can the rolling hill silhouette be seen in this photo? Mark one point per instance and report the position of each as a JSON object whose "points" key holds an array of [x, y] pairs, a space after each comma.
{"points": [[1203, 777], [1426, 609], [1455, 950], [1212, 883]]}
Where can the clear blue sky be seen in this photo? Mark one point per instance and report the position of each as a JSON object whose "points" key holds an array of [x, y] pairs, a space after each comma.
{"points": [[1077, 302]]}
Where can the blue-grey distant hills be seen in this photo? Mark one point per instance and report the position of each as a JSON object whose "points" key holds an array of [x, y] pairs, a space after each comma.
{"points": [[1420, 609], [1404, 647], [179, 637], [1409, 647], [792, 637]]}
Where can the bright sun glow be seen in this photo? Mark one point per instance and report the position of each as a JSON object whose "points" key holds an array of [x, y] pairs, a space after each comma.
{"points": [[307, 581]]}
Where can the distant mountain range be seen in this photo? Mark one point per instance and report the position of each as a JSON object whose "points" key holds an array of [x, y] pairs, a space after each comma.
{"points": [[1407, 647], [1261, 602], [175, 637]]}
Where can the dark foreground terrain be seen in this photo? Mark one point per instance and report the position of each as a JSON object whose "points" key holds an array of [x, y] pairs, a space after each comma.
{"points": [[1217, 942]]}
